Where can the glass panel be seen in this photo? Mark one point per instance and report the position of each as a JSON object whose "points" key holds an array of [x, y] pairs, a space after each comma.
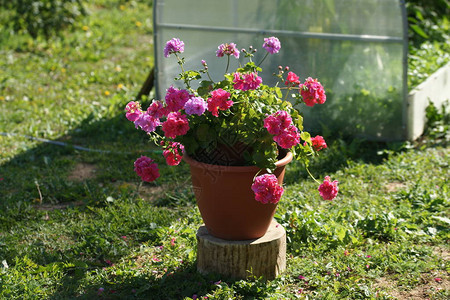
{"points": [[354, 47]]}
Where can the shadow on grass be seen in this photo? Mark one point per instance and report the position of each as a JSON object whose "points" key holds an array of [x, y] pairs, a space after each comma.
{"points": [[339, 154], [52, 174], [184, 282], [173, 284]]}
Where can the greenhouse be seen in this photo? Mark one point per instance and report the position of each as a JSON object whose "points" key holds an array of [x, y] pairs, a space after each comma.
{"points": [[357, 50]]}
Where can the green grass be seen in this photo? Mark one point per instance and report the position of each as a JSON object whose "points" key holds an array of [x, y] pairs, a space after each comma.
{"points": [[79, 224]]}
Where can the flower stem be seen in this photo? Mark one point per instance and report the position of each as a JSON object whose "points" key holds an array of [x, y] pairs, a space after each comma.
{"points": [[180, 62], [312, 175], [264, 58], [207, 73], [228, 64]]}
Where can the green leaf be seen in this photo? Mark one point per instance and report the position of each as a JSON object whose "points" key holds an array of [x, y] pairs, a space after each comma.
{"points": [[305, 136], [419, 31], [340, 232]]}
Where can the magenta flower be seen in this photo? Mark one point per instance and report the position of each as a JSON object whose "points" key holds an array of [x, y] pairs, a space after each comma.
{"points": [[318, 143], [272, 45], [173, 153], [253, 81], [176, 99], [328, 190], [157, 110], [288, 138], [267, 189], [173, 46], [175, 125], [277, 122], [292, 79], [133, 111], [147, 123], [227, 49], [312, 92], [195, 105], [245, 82], [146, 168], [219, 100]]}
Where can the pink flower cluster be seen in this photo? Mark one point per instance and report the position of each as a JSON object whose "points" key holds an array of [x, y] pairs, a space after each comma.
{"points": [[328, 190], [147, 122], [176, 99], [318, 143], [292, 79], [267, 189], [157, 109], [146, 168], [173, 153], [144, 120], [247, 81], [227, 49], [195, 106], [133, 111], [175, 125], [219, 100], [173, 46], [285, 133], [312, 92], [272, 45]]}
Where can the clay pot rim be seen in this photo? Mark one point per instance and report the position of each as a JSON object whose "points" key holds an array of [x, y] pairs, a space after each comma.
{"points": [[189, 160]]}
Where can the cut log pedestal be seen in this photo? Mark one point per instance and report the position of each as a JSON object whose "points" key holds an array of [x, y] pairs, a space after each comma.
{"points": [[265, 256]]}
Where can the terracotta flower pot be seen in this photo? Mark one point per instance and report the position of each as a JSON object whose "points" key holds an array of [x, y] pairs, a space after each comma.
{"points": [[226, 201]]}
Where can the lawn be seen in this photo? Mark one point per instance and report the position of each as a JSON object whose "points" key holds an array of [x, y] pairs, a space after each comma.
{"points": [[76, 222]]}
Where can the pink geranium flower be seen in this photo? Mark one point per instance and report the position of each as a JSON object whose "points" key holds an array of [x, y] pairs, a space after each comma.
{"points": [[157, 109], [173, 153], [292, 79], [312, 92], [272, 45], [175, 125], [245, 82], [328, 190], [173, 46], [146, 168], [267, 189], [288, 138], [219, 100], [277, 122], [147, 122], [318, 143], [133, 111], [176, 99], [227, 49], [195, 106]]}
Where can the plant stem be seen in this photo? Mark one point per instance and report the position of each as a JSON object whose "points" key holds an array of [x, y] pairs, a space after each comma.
{"points": [[267, 53], [307, 170], [228, 64], [180, 62], [207, 73]]}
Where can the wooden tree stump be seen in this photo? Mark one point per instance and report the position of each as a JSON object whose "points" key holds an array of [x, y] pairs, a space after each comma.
{"points": [[265, 256]]}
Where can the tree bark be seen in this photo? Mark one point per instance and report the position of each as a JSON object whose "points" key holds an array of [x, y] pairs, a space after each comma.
{"points": [[264, 257]]}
